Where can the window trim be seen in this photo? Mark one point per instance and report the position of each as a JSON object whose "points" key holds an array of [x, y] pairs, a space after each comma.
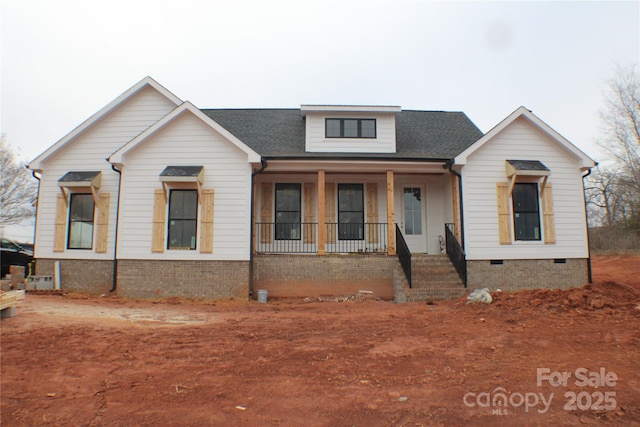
{"points": [[339, 211], [195, 220], [342, 133], [538, 211], [70, 221], [275, 211]]}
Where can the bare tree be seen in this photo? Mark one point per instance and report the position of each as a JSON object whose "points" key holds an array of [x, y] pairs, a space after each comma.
{"points": [[609, 200], [17, 188], [621, 141]]}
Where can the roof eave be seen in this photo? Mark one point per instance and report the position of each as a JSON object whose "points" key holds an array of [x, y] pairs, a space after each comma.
{"points": [[117, 158], [585, 161], [36, 164]]}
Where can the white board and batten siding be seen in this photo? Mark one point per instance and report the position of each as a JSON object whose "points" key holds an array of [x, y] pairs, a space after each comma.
{"points": [[88, 152], [485, 167], [384, 142], [186, 141]]}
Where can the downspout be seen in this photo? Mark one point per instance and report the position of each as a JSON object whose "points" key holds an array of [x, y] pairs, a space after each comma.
{"points": [[586, 217], [263, 166], [449, 166], [35, 223], [114, 283]]}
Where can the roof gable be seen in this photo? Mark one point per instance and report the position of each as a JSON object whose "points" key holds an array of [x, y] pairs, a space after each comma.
{"points": [[185, 107], [36, 164], [585, 161]]}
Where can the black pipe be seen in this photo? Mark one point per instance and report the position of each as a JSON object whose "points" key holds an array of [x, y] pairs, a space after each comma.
{"points": [[449, 166], [263, 166], [35, 222], [114, 283], [586, 217]]}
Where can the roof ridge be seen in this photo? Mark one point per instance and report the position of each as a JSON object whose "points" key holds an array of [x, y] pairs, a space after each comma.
{"points": [[251, 109]]}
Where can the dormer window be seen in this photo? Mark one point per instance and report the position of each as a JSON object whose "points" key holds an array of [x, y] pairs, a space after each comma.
{"points": [[350, 128]]}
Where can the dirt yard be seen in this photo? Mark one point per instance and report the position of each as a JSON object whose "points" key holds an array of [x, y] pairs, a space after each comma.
{"points": [[543, 357]]}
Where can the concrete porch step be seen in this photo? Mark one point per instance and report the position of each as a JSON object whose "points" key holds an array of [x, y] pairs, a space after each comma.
{"points": [[435, 275], [428, 284], [424, 294]]}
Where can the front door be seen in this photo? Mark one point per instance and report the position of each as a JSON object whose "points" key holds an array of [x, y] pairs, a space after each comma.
{"points": [[413, 223]]}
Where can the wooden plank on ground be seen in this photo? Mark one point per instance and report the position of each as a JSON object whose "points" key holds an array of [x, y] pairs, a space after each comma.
{"points": [[10, 298]]}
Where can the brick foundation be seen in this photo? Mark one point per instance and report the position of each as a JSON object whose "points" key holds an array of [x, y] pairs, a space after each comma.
{"points": [[514, 275], [312, 276], [93, 276], [296, 276], [191, 279]]}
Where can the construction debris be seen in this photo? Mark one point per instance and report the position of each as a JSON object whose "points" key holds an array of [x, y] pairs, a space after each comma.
{"points": [[480, 295], [9, 301]]}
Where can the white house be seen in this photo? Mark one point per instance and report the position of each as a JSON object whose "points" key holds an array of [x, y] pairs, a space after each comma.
{"points": [[154, 197]]}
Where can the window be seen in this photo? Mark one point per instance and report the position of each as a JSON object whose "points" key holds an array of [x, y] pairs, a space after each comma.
{"points": [[350, 212], [81, 222], [412, 211], [350, 128], [183, 219], [287, 211], [526, 211]]}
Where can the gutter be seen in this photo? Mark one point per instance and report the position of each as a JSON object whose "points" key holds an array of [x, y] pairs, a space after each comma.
{"points": [[114, 283], [449, 166], [586, 217], [263, 166], [334, 157], [35, 223]]}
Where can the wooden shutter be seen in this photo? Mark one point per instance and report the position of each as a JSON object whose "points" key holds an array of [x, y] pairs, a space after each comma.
{"points": [[206, 223], [548, 220], [504, 213], [102, 233], [60, 224], [330, 211], [372, 212], [309, 213], [266, 213], [159, 221]]}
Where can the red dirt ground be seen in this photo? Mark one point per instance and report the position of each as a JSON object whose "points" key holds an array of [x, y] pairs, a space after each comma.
{"points": [[89, 361]]}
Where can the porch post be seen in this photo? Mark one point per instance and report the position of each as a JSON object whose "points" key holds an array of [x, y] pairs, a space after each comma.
{"points": [[455, 197], [391, 225], [321, 214], [254, 212]]}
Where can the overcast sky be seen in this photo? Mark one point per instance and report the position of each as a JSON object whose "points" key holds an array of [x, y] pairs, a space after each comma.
{"points": [[63, 60]]}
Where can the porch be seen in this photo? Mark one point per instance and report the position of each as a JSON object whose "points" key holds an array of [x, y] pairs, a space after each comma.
{"points": [[321, 212], [324, 233]]}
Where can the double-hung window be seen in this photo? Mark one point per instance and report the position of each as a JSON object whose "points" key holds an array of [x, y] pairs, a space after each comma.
{"points": [[350, 128], [81, 213], [526, 211], [183, 219], [288, 217], [350, 212]]}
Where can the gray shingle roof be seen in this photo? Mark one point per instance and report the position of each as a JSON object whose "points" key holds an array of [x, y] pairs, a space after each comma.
{"points": [[280, 133], [528, 165], [79, 176], [190, 171]]}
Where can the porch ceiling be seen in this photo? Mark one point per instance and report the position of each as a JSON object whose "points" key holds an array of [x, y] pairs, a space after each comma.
{"points": [[357, 166]]}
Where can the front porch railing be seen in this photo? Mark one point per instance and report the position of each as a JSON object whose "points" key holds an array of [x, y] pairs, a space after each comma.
{"points": [[404, 254], [455, 252], [301, 238]]}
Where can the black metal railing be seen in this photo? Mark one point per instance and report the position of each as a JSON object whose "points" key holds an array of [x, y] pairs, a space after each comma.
{"points": [[303, 237], [348, 238], [286, 238], [455, 252], [404, 254]]}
